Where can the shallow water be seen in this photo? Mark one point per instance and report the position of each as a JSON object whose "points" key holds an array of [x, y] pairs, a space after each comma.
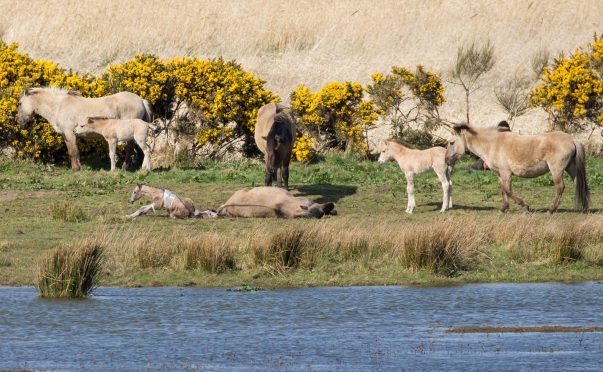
{"points": [[354, 328]]}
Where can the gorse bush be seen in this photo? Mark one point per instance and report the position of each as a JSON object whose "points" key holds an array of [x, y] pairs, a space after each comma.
{"points": [[571, 90], [215, 99], [408, 100], [18, 71], [70, 272], [338, 116]]}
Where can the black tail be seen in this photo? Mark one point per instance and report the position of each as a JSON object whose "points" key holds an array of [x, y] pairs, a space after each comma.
{"points": [[582, 198]]}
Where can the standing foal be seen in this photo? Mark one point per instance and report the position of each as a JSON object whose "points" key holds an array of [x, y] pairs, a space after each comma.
{"points": [[413, 162]]}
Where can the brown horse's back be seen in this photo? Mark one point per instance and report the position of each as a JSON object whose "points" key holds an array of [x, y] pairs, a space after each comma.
{"points": [[265, 120]]}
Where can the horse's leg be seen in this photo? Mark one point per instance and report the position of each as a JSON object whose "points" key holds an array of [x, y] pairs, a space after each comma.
{"points": [[410, 191], [112, 150], [449, 177], [279, 176], [143, 210], [146, 163], [128, 156], [505, 183], [445, 188], [286, 175], [74, 154], [559, 187]]}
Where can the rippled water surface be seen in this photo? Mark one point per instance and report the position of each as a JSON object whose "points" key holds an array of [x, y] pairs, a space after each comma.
{"points": [[356, 328]]}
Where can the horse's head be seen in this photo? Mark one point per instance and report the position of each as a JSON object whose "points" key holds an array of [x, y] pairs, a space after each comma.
{"points": [[317, 210], [82, 128], [26, 107], [386, 155], [457, 145], [136, 194]]}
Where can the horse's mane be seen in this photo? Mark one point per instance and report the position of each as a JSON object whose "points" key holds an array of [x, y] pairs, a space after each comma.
{"points": [[92, 119], [459, 127], [401, 143], [54, 90], [281, 127]]}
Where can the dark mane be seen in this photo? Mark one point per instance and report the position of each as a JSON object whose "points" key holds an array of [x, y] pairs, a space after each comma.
{"points": [[92, 119], [460, 127], [503, 126]]}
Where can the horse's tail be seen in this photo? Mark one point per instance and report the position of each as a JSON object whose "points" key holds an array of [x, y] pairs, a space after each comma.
{"points": [[148, 113], [582, 198]]}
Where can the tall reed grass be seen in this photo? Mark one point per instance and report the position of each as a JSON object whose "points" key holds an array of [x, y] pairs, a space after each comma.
{"points": [[70, 271], [447, 246]]}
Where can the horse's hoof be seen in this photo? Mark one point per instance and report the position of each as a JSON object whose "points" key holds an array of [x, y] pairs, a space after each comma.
{"points": [[526, 209]]}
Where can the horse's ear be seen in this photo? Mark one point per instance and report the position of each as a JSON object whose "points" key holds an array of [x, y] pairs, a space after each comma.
{"points": [[90, 120], [73, 93], [304, 207], [139, 185]]}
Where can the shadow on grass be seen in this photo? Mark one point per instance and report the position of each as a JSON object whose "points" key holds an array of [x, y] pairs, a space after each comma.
{"points": [[438, 205], [325, 193]]}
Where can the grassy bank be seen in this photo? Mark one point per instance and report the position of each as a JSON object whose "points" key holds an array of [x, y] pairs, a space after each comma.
{"points": [[371, 241]]}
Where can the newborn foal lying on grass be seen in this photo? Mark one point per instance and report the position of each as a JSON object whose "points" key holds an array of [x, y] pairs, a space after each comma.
{"points": [[165, 199]]}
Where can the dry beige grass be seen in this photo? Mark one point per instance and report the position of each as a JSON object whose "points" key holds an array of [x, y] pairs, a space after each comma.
{"points": [[307, 41]]}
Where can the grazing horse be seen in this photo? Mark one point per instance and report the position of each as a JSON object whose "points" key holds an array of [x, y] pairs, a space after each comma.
{"points": [[510, 154], [119, 130], [413, 162], [275, 136], [65, 109], [166, 199], [272, 202]]}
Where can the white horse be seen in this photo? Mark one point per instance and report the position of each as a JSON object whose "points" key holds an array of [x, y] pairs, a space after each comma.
{"points": [[65, 109], [413, 162]]}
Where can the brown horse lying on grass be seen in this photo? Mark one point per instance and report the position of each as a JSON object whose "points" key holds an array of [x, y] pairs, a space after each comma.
{"points": [[510, 154], [268, 201], [166, 199]]}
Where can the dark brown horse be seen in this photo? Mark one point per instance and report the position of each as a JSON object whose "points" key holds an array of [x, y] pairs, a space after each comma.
{"points": [[275, 136]]}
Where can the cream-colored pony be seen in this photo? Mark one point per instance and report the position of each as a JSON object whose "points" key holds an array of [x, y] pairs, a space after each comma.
{"points": [[413, 162], [120, 130], [65, 109], [510, 154]]}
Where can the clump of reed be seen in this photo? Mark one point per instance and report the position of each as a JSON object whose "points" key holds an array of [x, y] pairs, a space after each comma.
{"points": [[280, 252], [443, 248], [554, 242], [210, 252], [68, 212], [70, 271]]}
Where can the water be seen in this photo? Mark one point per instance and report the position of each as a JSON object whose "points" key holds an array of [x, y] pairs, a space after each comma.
{"points": [[355, 328]]}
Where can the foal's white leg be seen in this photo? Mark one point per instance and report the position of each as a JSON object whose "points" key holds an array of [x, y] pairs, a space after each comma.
{"points": [[112, 149], [143, 210], [442, 176], [410, 190], [146, 163]]}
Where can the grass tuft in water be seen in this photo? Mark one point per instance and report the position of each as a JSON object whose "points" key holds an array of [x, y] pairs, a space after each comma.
{"points": [[70, 272]]}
